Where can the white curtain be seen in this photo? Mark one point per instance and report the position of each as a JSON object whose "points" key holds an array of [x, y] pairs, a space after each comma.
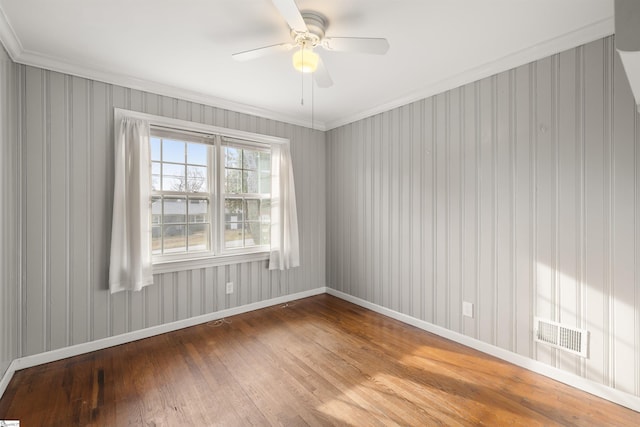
{"points": [[285, 251], [130, 267]]}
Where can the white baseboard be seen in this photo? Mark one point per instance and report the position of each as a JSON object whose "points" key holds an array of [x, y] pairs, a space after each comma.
{"points": [[616, 396], [75, 350], [6, 377]]}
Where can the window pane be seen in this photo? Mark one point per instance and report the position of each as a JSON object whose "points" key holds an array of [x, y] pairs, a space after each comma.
{"points": [[196, 179], [173, 151], [232, 157], [252, 209], [175, 238], [265, 161], [198, 237], [265, 234], [173, 177], [155, 148], [233, 210], [155, 182], [156, 240], [233, 181], [252, 234], [250, 181], [198, 211], [265, 210], [249, 159], [233, 235], [172, 184], [265, 183], [156, 210], [155, 176], [175, 210], [197, 154]]}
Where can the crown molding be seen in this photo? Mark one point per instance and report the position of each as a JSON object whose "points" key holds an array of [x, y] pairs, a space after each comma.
{"points": [[581, 36], [8, 37]]}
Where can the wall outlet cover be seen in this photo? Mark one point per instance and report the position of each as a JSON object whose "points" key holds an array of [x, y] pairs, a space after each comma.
{"points": [[229, 287], [467, 309]]}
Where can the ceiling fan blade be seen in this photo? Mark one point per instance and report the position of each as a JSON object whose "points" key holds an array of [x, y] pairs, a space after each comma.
{"points": [[321, 75], [262, 51], [356, 44], [289, 11]]}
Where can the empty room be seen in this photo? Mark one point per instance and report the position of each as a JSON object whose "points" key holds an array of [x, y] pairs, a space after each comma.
{"points": [[303, 212]]}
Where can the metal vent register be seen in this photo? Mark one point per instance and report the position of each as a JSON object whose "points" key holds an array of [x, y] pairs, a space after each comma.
{"points": [[564, 337]]}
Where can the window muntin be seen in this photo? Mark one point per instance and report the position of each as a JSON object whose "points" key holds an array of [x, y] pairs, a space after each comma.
{"points": [[247, 196], [181, 214]]}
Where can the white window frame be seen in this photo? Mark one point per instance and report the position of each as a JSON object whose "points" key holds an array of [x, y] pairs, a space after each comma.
{"points": [[218, 255]]}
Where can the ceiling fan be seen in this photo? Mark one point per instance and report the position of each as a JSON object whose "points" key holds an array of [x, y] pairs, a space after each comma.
{"points": [[307, 31]]}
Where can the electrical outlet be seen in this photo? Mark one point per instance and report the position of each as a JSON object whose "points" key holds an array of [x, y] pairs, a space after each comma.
{"points": [[229, 287], [467, 309]]}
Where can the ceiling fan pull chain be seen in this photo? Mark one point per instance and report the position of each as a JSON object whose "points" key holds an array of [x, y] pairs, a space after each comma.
{"points": [[302, 78]]}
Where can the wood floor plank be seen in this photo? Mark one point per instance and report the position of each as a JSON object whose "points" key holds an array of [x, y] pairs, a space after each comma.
{"points": [[318, 361]]}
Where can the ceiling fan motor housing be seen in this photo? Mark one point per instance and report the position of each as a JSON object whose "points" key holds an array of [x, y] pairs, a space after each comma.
{"points": [[316, 26]]}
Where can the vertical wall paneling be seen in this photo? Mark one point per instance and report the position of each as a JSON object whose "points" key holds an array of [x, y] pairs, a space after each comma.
{"points": [[523, 219], [10, 247], [580, 189], [567, 196], [67, 174], [503, 300], [404, 232], [623, 222], [469, 162], [595, 210], [34, 148], [415, 180], [518, 193], [78, 215], [57, 238], [486, 196], [545, 197], [393, 242], [454, 212], [609, 211], [441, 209]]}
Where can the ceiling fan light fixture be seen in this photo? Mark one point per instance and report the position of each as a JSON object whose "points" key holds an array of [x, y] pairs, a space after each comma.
{"points": [[305, 60]]}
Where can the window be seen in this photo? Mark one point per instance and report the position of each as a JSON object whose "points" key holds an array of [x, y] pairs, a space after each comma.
{"points": [[188, 171], [190, 195]]}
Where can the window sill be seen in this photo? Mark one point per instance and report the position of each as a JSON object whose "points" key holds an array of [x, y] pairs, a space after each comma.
{"points": [[171, 266]]}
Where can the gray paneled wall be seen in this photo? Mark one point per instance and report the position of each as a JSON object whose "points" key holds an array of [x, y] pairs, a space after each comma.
{"points": [[519, 193], [9, 219], [67, 154]]}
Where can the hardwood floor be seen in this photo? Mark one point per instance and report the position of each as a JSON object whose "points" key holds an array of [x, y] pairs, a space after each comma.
{"points": [[319, 361]]}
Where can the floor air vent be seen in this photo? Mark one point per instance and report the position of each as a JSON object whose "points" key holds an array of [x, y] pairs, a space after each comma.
{"points": [[564, 337]]}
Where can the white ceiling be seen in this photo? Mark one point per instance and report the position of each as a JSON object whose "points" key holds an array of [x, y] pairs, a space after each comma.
{"points": [[183, 48]]}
